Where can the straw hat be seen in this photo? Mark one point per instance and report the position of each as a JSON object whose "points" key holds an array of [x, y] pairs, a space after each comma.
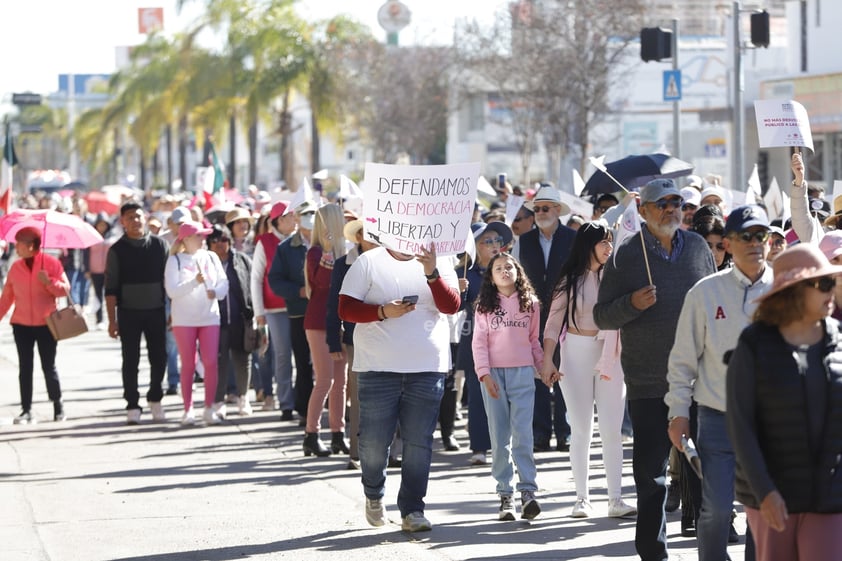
{"points": [[799, 263], [238, 213]]}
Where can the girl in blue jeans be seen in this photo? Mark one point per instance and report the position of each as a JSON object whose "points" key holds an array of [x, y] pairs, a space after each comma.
{"points": [[507, 352]]}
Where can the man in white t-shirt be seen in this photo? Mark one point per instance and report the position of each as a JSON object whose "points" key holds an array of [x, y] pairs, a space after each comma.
{"points": [[402, 354]]}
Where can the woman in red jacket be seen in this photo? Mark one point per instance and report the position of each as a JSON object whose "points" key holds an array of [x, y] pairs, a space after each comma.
{"points": [[33, 284]]}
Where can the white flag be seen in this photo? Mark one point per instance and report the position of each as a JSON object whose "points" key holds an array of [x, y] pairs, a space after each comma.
{"points": [[598, 162], [304, 194], [578, 183], [774, 201], [484, 186], [629, 226], [754, 191]]}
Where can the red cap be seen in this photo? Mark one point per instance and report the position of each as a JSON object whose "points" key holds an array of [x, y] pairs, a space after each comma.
{"points": [[278, 209]]}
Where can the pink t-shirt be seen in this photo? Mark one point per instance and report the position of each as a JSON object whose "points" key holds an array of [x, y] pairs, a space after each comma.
{"points": [[507, 337]]}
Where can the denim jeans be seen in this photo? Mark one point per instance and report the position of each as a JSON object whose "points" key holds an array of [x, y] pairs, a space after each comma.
{"points": [[510, 427], [173, 375], [649, 461], [718, 467], [480, 441], [389, 399], [278, 323]]}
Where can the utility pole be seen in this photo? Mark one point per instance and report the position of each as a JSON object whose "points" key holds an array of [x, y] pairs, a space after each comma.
{"points": [[738, 176], [676, 105]]}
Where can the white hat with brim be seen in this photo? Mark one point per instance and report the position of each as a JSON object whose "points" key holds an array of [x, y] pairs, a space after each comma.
{"points": [[351, 228], [548, 194]]}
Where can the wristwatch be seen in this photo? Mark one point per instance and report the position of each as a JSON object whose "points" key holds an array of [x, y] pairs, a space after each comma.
{"points": [[434, 276]]}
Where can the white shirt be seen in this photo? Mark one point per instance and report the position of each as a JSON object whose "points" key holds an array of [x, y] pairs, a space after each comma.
{"points": [[190, 303], [418, 341]]}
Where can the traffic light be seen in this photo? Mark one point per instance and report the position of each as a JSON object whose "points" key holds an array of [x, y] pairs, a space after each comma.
{"points": [[655, 43], [760, 29]]}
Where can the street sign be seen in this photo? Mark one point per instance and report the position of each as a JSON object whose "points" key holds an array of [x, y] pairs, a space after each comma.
{"points": [[26, 99], [672, 85]]}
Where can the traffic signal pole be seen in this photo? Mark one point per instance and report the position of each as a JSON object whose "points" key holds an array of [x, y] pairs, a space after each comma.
{"points": [[676, 105], [738, 177]]}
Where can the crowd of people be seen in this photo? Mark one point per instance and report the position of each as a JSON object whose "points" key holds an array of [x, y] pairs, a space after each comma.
{"points": [[710, 325]]}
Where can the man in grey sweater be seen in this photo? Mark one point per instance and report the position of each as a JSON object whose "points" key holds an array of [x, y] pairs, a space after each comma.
{"points": [[646, 313]]}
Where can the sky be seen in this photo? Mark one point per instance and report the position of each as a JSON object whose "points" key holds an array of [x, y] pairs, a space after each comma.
{"points": [[40, 39]]}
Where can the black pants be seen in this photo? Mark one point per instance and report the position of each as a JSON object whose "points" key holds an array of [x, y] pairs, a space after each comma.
{"points": [[25, 338], [98, 280], [447, 411], [151, 324], [649, 463], [231, 355], [303, 367]]}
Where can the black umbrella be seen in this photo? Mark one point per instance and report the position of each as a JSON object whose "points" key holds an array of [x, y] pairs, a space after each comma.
{"points": [[634, 171]]}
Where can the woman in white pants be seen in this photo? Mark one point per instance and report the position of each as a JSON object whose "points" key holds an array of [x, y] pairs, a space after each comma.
{"points": [[582, 383]]}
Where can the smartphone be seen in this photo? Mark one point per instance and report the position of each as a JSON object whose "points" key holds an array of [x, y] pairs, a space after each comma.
{"points": [[410, 299], [501, 181]]}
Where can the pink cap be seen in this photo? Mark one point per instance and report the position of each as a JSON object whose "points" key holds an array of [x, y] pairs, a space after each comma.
{"points": [[831, 244], [189, 228], [278, 209]]}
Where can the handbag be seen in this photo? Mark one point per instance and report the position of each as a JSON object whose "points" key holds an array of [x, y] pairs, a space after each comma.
{"points": [[67, 322]]}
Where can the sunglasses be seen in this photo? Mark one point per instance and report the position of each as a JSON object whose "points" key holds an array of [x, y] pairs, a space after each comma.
{"points": [[689, 206], [493, 241], [663, 204], [602, 209], [762, 236], [822, 284], [519, 218], [716, 246], [543, 208], [778, 243]]}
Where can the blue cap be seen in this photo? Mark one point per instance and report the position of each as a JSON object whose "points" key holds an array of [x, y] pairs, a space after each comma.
{"points": [[744, 217]]}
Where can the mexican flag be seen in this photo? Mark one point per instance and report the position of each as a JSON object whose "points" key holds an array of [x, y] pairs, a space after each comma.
{"points": [[214, 179], [6, 164]]}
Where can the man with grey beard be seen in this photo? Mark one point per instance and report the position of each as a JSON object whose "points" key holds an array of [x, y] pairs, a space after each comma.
{"points": [[646, 309]]}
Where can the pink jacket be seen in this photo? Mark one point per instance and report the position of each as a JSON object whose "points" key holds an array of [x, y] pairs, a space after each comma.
{"points": [[33, 300], [507, 337]]}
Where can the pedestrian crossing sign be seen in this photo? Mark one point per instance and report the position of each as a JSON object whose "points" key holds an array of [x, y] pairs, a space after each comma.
{"points": [[672, 85]]}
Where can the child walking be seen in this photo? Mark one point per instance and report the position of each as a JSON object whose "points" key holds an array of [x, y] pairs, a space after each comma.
{"points": [[507, 353]]}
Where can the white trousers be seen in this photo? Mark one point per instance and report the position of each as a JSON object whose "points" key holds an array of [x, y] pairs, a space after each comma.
{"points": [[583, 387]]}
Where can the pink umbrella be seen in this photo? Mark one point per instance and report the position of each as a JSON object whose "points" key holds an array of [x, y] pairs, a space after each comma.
{"points": [[58, 230]]}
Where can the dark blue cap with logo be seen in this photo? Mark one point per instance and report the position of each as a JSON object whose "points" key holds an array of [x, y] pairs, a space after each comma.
{"points": [[744, 217]]}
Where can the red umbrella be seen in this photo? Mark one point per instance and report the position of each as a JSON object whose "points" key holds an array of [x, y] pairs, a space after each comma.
{"points": [[58, 229], [107, 202]]}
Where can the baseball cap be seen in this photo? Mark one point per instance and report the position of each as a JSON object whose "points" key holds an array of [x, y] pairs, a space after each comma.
{"points": [[691, 196], [179, 214], [277, 210], [744, 217], [189, 228], [657, 189]]}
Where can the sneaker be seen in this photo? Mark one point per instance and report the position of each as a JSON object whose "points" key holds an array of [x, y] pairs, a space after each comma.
{"points": [[220, 409], [189, 418], [232, 399], [582, 509], [507, 508], [416, 522], [157, 410], [287, 415], [259, 395], [172, 390], [25, 418], [58, 411], [618, 508], [375, 512], [269, 405], [244, 407], [529, 507], [478, 458], [211, 417], [133, 416]]}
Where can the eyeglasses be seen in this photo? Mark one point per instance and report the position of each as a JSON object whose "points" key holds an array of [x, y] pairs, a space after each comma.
{"points": [[716, 246], [761, 236], [546, 208], [662, 204], [689, 206], [778, 243], [493, 241], [822, 284]]}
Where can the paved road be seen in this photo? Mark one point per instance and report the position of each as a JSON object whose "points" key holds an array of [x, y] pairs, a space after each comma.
{"points": [[92, 488]]}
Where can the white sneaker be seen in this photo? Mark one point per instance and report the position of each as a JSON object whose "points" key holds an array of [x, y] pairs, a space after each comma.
{"points": [[375, 512], [507, 508], [618, 508], [269, 403], [133, 416], [210, 417], [478, 459], [416, 522], [189, 418], [220, 409], [157, 410], [244, 407], [582, 509]]}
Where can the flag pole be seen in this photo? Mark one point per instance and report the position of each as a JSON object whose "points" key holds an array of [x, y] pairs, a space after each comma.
{"points": [[645, 257]]}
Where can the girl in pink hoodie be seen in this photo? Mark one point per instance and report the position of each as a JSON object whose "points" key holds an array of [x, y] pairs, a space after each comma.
{"points": [[507, 354]]}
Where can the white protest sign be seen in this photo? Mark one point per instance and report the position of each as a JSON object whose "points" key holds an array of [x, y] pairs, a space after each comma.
{"points": [[837, 188], [782, 123], [577, 205], [407, 207]]}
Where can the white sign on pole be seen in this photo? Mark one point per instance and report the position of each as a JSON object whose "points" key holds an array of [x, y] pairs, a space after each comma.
{"points": [[782, 123], [406, 208]]}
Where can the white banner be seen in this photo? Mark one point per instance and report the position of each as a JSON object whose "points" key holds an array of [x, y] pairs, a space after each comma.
{"points": [[409, 207], [782, 123]]}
